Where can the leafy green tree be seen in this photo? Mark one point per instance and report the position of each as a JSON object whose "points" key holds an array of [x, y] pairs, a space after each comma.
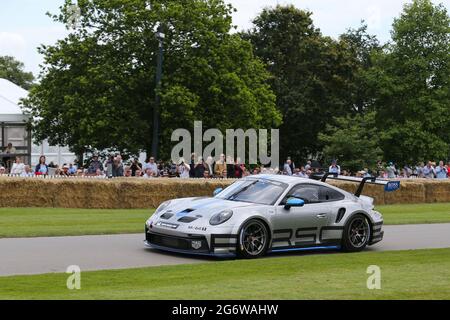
{"points": [[354, 141], [411, 80], [362, 47], [311, 75], [98, 85], [13, 70]]}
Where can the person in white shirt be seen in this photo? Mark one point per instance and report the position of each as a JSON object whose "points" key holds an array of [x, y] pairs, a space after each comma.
{"points": [[334, 168], [18, 167], [27, 172], [148, 174], [183, 169]]}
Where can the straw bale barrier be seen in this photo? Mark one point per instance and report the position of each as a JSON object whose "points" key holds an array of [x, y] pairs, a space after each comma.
{"points": [[133, 193]]}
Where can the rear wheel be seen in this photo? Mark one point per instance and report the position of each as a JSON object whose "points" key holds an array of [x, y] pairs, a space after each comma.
{"points": [[253, 240], [356, 234]]}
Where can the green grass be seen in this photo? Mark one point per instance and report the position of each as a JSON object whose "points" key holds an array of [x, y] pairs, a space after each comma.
{"points": [[40, 222], [416, 213], [419, 274]]}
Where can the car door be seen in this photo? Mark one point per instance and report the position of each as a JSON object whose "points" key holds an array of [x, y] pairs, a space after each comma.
{"points": [[300, 226]]}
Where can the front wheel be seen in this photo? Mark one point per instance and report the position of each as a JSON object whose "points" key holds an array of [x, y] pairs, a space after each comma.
{"points": [[356, 234], [253, 240]]}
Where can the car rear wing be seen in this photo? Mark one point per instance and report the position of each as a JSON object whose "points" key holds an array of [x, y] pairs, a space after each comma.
{"points": [[389, 185]]}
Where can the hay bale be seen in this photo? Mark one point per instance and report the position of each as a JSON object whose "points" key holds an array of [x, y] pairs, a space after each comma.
{"points": [[410, 191], [437, 191], [126, 193]]}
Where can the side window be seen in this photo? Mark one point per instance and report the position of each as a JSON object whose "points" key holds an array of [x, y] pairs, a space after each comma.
{"points": [[308, 192], [328, 194]]}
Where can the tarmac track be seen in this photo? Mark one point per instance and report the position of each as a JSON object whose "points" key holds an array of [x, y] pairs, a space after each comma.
{"points": [[48, 255]]}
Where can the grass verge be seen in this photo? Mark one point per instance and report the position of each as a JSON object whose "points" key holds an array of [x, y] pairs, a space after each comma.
{"points": [[48, 222], [43, 222], [417, 274], [416, 213]]}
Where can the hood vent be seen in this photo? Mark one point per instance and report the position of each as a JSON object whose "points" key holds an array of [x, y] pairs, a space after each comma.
{"points": [[187, 219], [167, 216]]}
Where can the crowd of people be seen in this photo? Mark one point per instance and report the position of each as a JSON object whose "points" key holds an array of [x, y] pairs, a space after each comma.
{"points": [[431, 170], [224, 167]]}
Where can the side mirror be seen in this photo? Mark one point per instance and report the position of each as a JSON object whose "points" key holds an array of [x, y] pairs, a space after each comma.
{"points": [[294, 202], [217, 191]]}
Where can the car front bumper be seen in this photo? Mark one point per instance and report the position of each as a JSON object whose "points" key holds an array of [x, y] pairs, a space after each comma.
{"points": [[215, 245]]}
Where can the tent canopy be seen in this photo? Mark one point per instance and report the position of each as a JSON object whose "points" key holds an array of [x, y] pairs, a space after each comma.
{"points": [[10, 95]]}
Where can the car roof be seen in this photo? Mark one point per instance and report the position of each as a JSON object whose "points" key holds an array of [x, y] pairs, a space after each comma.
{"points": [[285, 179], [292, 180]]}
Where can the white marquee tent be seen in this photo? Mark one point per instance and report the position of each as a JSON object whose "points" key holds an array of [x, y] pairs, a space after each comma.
{"points": [[13, 129]]}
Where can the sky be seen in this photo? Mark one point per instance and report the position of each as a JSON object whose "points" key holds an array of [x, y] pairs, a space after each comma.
{"points": [[24, 24]]}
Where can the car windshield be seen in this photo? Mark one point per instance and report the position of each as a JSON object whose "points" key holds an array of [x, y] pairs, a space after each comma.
{"points": [[258, 191]]}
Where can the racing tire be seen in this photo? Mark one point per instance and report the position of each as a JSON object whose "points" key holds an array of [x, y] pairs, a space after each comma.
{"points": [[356, 234], [253, 240]]}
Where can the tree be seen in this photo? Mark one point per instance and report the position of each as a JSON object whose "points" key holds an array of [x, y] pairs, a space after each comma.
{"points": [[362, 47], [97, 89], [13, 70], [311, 75], [411, 80], [354, 141]]}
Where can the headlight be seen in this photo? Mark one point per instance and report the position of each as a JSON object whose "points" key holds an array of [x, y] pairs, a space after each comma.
{"points": [[162, 207], [220, 217]]}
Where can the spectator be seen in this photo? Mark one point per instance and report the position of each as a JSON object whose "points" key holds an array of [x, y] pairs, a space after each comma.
{"points": [[391, 170], [135, 165], [230, 168], [308, 165], [149, 174], [138, 173], [220, 166], [72, 169], [27, 172], [128, 172], [41, 168], [192, 165], [380, 168], [200, 168], [287, 169], [419, 170], [428, 171], [151, 164], [206, 174], [95, 165], [441, 171], [2, 170], [183, 169], [18, 167], [292, 165], [224, 174], [99, 173], [118, 170], [10, 149], [334, 168], [65, 170], [239, 169]]}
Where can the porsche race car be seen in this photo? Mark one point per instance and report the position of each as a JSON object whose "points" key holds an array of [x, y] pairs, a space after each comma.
{"points": [[269, 213]]}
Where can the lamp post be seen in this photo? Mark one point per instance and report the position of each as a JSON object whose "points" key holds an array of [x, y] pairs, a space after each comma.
{"points": [[156, 112]]}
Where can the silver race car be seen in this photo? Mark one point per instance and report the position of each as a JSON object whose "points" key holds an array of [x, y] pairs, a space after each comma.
{"points": [[269, 213]]}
